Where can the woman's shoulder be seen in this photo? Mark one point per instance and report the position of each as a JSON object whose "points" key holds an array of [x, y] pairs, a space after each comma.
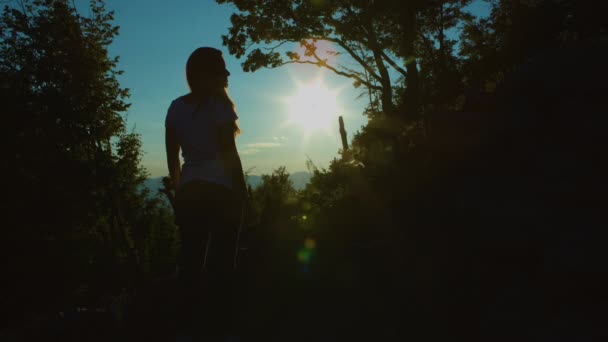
{"points": [[186, 99], [180, 100], [188, 102], [181, 103]]}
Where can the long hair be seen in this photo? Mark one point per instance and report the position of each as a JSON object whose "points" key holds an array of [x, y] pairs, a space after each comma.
{"points": [[206, 74]]}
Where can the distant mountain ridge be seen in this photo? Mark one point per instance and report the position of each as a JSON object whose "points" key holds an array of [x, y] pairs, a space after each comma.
{"points": [[299, 179]]}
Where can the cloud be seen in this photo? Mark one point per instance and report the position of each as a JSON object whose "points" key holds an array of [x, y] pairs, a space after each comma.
{"points": [[249, 151], [263, 145], [254, 148]]}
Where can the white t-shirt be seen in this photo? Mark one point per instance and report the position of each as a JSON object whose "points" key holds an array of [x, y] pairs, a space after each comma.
{"points": [[196, 127]]}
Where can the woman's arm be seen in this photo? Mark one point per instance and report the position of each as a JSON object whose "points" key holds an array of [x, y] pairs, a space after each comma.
{"points": [[231, 159], [172, 146]]}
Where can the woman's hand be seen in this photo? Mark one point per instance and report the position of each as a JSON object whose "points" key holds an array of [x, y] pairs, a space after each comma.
{"points": [[173, 163], [169, 190]]}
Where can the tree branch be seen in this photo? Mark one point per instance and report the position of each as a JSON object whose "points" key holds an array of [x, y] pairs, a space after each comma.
{"points": [[323, 62], [337, 72], [349, 50], [272, 48], [394, 65], [354, 55]]}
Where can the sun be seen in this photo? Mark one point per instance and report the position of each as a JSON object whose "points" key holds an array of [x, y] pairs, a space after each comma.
{"points": [[313, 106]]}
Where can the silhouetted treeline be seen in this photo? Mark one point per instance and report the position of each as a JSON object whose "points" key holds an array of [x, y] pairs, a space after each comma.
{"points": [[77, 228], [471, 205]]}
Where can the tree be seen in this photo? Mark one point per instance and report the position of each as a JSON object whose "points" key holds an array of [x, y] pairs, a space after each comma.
{"points": [[365, 32], [274, 195], [74, 168], [440, 66], [461, 193], [517, 31]]}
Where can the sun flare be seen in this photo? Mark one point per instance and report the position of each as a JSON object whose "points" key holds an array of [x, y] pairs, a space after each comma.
{"points": [[313, 106]]}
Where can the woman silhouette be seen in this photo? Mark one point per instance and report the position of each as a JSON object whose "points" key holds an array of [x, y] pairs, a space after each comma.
{"points": [[210, 193]]}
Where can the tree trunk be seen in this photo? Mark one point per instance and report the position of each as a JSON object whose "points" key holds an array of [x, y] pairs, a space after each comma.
{"points": [[442, 60], [385, 78], [343, 134], [412, 92]]}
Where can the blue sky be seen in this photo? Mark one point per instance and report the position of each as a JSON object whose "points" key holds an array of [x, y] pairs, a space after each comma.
{"points": [[155, 40]]}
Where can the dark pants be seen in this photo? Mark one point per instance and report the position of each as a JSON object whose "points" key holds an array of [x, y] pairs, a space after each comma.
{"points": [[208, 216]]}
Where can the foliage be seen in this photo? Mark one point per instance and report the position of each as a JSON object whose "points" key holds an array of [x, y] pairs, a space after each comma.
{"points": [[274, 200], [456, 191], [516, 31], [425, 202], [74, 169], [440, 75], [364, 33]]}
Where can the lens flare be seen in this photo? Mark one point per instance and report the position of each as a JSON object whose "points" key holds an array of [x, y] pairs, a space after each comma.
{"points": [[304, 256], [310, 243]]}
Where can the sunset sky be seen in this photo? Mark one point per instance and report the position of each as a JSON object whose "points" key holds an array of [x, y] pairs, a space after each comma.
{"points": [[155, 40]]}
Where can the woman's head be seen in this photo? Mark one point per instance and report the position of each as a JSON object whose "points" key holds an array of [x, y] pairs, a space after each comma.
{"points": [[207, 77], [206, 72]]}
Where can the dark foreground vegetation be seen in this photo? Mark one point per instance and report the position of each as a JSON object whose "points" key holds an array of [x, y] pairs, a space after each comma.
{"points": [[472, 205]]}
